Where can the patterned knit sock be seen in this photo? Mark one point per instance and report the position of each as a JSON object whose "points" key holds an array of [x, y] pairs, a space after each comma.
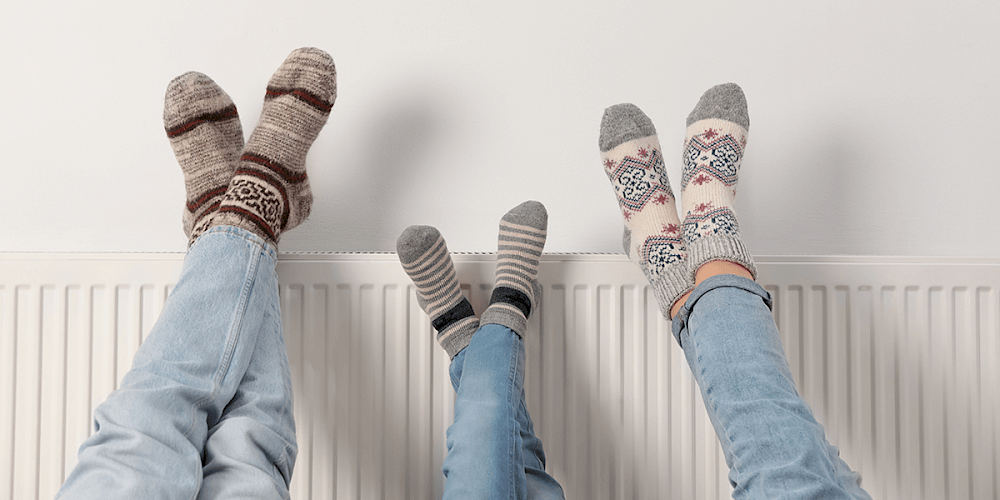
{"points": [[713, 149], [519, 249], [425, 258], [204, 131], [269, 193], [653, 238]]}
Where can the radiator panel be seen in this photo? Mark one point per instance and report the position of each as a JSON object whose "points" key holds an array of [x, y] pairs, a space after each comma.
{"points": [[897, 357]]}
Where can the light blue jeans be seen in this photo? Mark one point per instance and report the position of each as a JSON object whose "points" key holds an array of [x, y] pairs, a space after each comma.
{"points": [[492, 448], [774, 447], [206, 410]]}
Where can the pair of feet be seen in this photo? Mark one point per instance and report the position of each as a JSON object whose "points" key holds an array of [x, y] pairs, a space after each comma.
{"points": [[676, 254], [424, 255], [261, 187]]}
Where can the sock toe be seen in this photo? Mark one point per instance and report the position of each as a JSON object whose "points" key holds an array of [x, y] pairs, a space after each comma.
{"points": [[530, 213], [725, 102], [622, 123], [415, 241]]}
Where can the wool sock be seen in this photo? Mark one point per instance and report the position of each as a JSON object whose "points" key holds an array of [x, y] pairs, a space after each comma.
{"points": [[425, 258], [716, 136], [205, 133], [653, 237], [519, 249], [269, 192]]}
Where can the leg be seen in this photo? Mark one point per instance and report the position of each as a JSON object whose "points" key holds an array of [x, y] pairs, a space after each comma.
{"points": [[251, 451], [491, 445], [774, 447], [150, 433]]}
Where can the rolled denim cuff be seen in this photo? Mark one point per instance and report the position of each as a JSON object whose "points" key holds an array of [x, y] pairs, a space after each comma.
{"points": [[679, 322]]}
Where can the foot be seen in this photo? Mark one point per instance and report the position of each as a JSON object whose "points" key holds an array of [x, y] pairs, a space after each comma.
{"points": [[425, 258], [630, 151], [269, 192], [716, 136], [519, 251], [205, 133]]}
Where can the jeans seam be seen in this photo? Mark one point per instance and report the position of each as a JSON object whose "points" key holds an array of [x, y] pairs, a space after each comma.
{"points": [[511, 379], [234, 333]]}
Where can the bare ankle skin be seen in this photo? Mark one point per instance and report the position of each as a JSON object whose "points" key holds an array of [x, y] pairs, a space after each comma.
{"points": [[707, 270]]}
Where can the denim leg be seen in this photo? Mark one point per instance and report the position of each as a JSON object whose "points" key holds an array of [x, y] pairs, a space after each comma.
{"points": [[773, 445], [492, 450], [150, 434], [250, 453]]}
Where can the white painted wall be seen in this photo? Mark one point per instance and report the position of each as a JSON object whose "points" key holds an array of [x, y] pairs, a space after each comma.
{"points": [[874, 123]]}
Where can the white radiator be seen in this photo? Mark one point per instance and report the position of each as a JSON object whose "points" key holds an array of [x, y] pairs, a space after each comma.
{"points": [[899, 358]]}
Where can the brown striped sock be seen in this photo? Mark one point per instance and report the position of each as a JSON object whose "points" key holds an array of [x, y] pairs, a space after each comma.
{"points": [[519, 249], [205, 134], [269, 192], [425, 258]]}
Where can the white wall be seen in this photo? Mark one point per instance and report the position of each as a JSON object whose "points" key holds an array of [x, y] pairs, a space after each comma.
{"points": [[874, 123]]}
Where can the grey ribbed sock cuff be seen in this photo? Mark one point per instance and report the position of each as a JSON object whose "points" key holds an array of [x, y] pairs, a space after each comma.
{"points": [[670, 285], [719, 247]]}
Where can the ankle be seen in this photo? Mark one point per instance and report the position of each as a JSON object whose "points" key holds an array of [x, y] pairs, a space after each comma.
{"points": [[717, 267]]}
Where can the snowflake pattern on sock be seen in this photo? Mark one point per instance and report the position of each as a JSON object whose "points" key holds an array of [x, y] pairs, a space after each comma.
{"points": [[711, 155], [659, 251], [718, 221], [639, 180]]}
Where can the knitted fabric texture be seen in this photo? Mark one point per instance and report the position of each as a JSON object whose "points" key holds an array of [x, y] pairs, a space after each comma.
{"points": [[519, 251], [424, 255], [716, 136], [269, 192], [204, 130], [653, 238]]}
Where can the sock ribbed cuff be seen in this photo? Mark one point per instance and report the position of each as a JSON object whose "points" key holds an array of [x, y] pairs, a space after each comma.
{"points": [[719, 247], [669, 285]]}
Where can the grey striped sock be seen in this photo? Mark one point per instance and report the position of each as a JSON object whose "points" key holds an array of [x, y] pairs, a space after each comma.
{"points": [[425, 258], [519, 249]]}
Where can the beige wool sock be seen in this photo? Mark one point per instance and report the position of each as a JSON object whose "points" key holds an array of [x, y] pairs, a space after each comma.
{"points": [[205, 133], [269, 192]]}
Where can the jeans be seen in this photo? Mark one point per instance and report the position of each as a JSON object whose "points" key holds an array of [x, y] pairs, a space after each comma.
{"points": [[492, 448], [206, 409], [774, 447]]}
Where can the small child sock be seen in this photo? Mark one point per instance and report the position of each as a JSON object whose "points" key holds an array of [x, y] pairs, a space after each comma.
{"points": [[425, 258], [653, 237], [269, 192], [204, 130], [717, 130], [519, 250]]}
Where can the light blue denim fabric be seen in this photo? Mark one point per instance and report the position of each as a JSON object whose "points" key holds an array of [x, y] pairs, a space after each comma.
{"points": [[206, 409], [493, 452], [774, 447]]}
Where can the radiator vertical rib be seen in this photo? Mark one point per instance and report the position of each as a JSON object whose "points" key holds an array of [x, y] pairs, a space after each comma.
{"points": [[897, 357]]}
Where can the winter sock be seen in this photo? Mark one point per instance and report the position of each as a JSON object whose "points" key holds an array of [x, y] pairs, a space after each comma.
{"points": [[205, 134], [425, 258], [713, 149], [519, 249], [653, 237], [269, 192]]}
